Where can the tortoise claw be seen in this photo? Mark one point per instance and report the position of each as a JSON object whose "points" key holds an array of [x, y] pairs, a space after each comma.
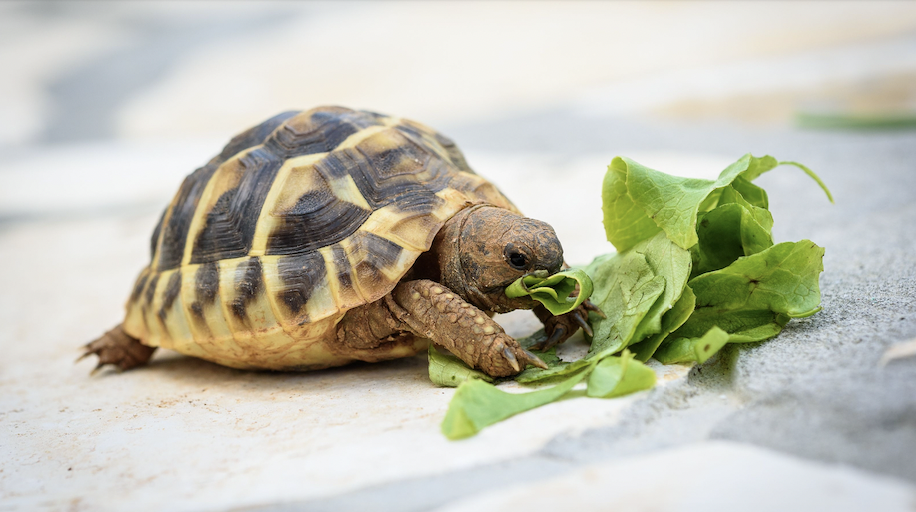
{"points": [[558, 334], [590, 306], [86, 354], [513, 361], [583, 324], [534, 360], [97, 368]]}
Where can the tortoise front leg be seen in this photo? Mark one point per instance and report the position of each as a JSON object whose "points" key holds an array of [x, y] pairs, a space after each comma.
{"points": [[435, 312], [561, 328]]}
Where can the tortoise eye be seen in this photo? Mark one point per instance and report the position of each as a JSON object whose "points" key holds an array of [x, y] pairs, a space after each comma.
{"points": [[516, 258]]}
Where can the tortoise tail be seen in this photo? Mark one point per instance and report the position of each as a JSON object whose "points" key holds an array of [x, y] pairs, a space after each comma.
{"points": [[118, 348]]}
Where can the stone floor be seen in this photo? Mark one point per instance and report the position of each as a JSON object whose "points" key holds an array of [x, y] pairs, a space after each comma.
{"points": [[110, 106]]}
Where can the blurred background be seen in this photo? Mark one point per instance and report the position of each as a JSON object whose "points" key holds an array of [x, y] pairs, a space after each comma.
{"points": [[135, 95], [89, 72], [106, 106]]}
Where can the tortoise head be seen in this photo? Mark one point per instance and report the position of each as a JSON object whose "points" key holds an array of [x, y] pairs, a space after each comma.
{"points": [[484, 248]]}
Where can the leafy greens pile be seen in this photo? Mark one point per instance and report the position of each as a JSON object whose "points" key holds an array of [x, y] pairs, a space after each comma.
{"points": [[695, 268]]}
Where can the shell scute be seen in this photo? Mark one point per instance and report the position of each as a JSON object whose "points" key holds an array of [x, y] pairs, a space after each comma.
{"points": [[298, 278], [253, 136], [393, 168], [226, 223], [317, 131], [172, 289], [309, 215], [340, 278], [376, 263], [443, 146], [248, 285], [178, 219]]}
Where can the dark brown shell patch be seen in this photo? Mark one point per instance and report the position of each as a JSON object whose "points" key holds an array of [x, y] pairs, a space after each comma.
{"points": [[376, 253], [299, 275], [151, 288], [320, 132], [317, 219], [172, 289], [206, 283], [139, 285], [231, 223], [175, 231], [248, 284]]}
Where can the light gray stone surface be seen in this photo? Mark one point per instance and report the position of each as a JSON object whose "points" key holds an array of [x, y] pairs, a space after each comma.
{"points": [[701, 477]]}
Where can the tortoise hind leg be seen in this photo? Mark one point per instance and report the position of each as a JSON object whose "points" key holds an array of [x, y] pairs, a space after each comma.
{"points": [[118, 348]]}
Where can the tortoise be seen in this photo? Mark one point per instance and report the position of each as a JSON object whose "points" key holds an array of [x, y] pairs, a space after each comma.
{"points": [[332, 235]]}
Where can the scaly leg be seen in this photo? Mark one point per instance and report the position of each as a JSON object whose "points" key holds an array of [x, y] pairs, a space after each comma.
{"points": [[118, 348], [435, 312]]}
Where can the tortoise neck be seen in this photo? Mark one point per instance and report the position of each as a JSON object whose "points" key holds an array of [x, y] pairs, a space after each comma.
{"points": [[448, 249]]}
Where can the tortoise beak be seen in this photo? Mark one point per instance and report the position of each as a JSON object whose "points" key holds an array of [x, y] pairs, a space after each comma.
{"points": [[550, 252]]}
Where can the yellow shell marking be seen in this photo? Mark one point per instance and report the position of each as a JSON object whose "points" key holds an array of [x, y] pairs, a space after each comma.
{"points": [[345, 190]]}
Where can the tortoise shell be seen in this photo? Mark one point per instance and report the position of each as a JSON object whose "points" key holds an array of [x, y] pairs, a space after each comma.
{"points": [[298, 220]]}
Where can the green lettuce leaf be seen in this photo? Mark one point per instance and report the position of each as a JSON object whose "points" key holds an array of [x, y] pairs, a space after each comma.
{"points": [[448, 370], [618, 376], [625, 221], [753, 298], [638, 201], [477, 404], [685, 350], [673, 319], [627, 289], [672, 263], [634, 289], [611, 337], [555, 368], [553, 291], [730, 231], [753, 194]]}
